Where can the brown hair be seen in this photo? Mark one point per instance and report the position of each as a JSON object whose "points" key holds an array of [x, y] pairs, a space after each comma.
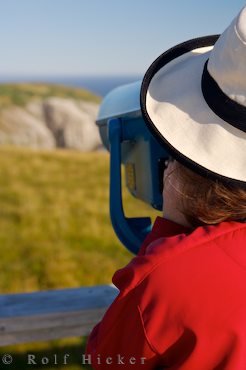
{"points": [[206, 201]]}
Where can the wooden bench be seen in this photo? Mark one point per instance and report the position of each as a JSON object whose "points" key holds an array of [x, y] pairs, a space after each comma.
{"points": [[52, 314]]}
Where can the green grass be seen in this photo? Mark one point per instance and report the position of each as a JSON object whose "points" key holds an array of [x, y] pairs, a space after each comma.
{"points": [[55, 231], [22, 93]]}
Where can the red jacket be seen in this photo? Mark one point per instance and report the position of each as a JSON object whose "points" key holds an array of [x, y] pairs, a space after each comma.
{"points": [[182, 303]]}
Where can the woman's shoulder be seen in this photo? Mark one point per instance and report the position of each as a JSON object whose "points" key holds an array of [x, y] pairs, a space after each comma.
{"points": [[198, 282], [170, 248], [226, 235]]}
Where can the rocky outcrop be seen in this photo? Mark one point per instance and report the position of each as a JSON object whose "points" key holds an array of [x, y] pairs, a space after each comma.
{"points": [[53, 122], [72, 124], [18, 127]]}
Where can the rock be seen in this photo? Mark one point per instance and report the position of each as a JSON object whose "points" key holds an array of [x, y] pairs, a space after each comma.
{"points": [[19, 127], [53, 122], [35, 107], [72, 123]]}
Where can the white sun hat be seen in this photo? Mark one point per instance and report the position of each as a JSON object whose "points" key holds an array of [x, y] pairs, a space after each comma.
{"points": [[193, 99]]}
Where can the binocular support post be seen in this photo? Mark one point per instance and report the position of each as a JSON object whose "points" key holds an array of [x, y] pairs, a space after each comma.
{"points": [[130, 231]]}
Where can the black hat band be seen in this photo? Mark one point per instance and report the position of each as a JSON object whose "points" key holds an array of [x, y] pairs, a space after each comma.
{"points": [[224, 107]]}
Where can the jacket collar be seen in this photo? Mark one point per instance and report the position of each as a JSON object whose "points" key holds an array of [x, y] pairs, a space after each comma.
{"points": [[163, 228]]}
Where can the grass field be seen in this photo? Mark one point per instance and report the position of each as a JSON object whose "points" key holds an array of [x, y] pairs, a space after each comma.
{"points": [[55, 232]]}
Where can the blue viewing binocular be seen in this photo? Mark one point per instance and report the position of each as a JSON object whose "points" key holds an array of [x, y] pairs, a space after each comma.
{"points": [[125, 134]]}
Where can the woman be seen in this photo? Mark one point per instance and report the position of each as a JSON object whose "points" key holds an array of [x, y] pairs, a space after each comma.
{"points": [[182, 300]]}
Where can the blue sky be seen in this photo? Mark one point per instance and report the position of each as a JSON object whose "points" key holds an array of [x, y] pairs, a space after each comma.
{"points": [[101, 37]]}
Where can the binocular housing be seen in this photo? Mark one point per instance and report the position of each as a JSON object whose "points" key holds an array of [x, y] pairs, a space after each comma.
{"points": [[131, 144], [141, 155]]}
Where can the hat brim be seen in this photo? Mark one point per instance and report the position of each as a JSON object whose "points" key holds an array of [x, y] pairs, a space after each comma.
{"points": [[175, 110]]}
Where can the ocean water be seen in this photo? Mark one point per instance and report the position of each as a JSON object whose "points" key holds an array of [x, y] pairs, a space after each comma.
{"points": [[99, 85]]}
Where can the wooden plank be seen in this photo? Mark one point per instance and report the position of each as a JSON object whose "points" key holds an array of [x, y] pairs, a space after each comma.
{"points": [[52, 314]]}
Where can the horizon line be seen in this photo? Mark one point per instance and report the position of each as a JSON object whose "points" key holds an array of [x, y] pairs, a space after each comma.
{"points": [[70, 76]]}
